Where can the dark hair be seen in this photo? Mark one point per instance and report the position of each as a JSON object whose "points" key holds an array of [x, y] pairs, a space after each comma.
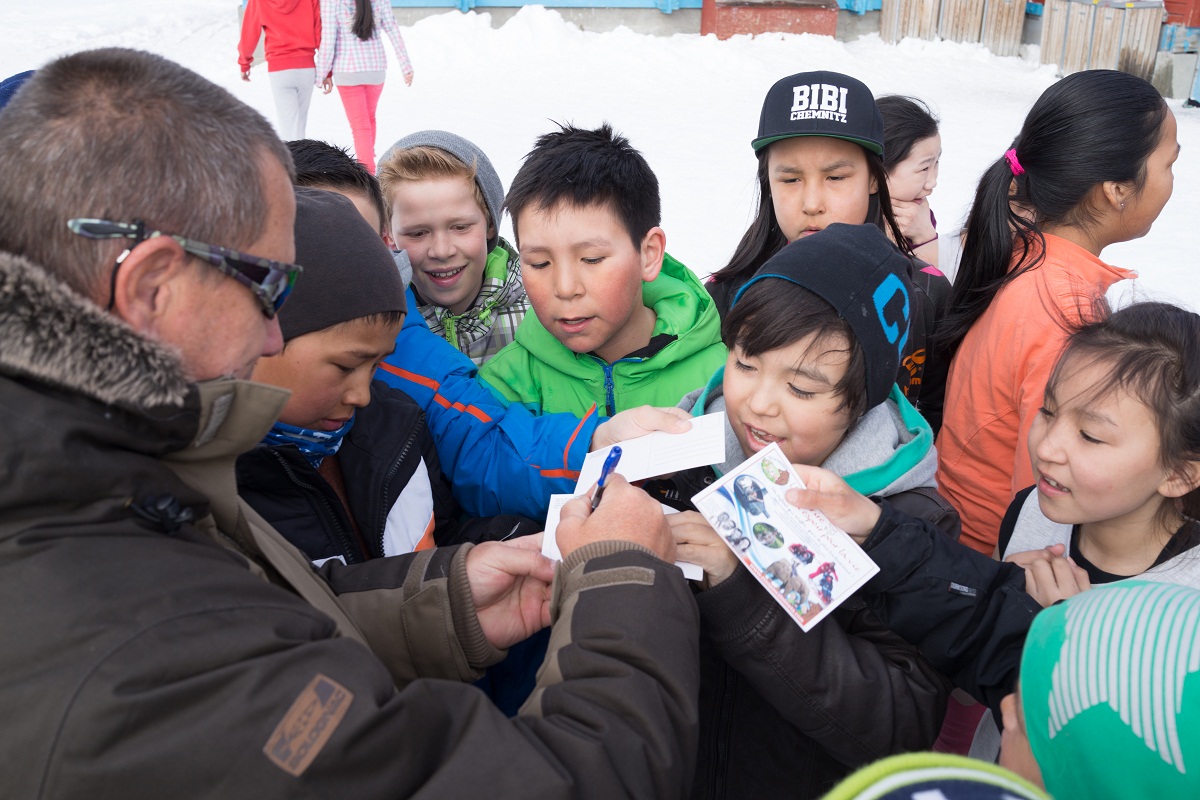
{"points": [[586, 168], [320, 165], [381, 319], [764, 239], [364, 20], [774, 313], [1149, 350], [1088, 128], [906, 121], [144, 138]]}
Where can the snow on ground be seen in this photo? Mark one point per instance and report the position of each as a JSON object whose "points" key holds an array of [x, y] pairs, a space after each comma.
{"points": [[690, 103]]}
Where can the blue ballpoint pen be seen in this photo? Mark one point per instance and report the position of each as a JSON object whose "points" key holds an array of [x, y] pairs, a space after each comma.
{"points": [[610, 463]]}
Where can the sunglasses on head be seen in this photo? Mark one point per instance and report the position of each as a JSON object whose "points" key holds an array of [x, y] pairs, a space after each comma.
{"points": [[271, 281]]}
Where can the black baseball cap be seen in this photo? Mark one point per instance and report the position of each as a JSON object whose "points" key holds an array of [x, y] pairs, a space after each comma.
{"points": [[820, 104]]}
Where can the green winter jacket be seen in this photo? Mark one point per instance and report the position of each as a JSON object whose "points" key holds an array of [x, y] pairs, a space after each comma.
{"points": [[544, 375], [491, 321]]}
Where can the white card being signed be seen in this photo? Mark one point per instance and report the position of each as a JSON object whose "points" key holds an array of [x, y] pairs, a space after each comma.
{"points": [[661, 453], [808, 565]]}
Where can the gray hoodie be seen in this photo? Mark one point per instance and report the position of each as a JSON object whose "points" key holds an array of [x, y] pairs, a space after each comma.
{"points": [[890, 450]]}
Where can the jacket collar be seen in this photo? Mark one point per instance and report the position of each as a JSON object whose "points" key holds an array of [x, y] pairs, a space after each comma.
{"points": [[683, 309], [56, 337]]}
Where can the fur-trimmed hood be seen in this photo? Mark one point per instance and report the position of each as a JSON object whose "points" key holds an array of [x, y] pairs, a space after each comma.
{"points": [[56, 337], [102, 419]]}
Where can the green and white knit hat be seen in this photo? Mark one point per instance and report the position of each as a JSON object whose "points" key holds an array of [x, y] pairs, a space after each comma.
{"points": [[1110, 688]]}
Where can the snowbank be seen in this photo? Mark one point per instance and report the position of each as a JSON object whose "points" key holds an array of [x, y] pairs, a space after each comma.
{"points": [[690, 103]]}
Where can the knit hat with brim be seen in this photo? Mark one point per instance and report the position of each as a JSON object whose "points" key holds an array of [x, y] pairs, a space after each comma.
{"points": [[864, 277], [934, 775], [349, 273], [466, 152], [1110, 689]]}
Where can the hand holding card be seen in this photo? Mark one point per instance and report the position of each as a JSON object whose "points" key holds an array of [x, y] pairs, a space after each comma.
{"points": [[827, 493], [807, 564], [697, 543]]}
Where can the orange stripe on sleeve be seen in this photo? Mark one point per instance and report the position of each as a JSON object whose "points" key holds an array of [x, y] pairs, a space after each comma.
{"points": [[571, 441], [433, 385], [560, 473]]}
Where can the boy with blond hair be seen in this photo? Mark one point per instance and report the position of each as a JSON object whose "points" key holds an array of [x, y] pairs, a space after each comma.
{"points": [[618, 323], [444, 206]]}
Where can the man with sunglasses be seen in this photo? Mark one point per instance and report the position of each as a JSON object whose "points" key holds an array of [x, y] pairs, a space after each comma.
{"points": [[160, 639]]}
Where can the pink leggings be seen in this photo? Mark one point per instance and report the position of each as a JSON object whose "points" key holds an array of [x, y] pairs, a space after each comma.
{"points": [[360, 103]]}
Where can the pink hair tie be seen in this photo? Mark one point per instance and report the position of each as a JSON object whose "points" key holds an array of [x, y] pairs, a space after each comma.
{"points": [[1011, 157]]}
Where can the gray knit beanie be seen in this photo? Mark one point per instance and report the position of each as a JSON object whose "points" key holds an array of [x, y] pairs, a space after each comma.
{"points": [[469, 154], [349, 272]]}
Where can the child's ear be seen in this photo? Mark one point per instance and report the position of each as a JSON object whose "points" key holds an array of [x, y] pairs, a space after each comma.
{"points": [[1181, 480], [389, 241], [654, 247]]}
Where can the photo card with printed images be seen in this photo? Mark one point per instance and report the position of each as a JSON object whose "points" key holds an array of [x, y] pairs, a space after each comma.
{"points": [[806, 563]]}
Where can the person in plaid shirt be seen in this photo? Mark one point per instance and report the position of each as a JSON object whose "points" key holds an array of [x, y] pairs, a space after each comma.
{"points": [[352, 56], [444, 203]]}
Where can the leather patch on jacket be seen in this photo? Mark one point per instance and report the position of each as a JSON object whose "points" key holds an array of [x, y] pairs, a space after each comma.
{"points": [[308, 724]]}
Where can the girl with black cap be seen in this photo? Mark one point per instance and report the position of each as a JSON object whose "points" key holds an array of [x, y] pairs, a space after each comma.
{"points": [[820, 160]]}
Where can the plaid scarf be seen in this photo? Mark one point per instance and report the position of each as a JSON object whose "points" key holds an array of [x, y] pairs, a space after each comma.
{"points": [[490, 323]]}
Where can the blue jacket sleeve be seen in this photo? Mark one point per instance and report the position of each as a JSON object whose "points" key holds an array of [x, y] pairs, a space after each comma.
{"points": [[500, 458]]}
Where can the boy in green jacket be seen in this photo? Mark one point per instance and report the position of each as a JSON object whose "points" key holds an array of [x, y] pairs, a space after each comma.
{"points": [[617, 322]]}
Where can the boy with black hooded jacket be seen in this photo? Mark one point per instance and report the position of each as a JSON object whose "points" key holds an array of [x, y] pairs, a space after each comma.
{"points": [[350, 471], [814, 343]]}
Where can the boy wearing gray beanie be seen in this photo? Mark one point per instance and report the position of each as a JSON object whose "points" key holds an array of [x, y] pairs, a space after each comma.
{"points": [[444, 203]]}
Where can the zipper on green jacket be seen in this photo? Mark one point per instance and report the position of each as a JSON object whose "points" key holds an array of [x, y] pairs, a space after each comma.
{"points": [[610, 400], [610, 389]]}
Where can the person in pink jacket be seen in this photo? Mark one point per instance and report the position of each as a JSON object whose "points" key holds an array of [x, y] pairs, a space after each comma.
{"points": [[352, 56], [293, 30]]}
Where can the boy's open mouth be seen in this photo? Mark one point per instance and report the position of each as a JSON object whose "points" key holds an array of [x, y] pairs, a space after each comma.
{"points": [[573, 324], [444, 276], [759, 436]]}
